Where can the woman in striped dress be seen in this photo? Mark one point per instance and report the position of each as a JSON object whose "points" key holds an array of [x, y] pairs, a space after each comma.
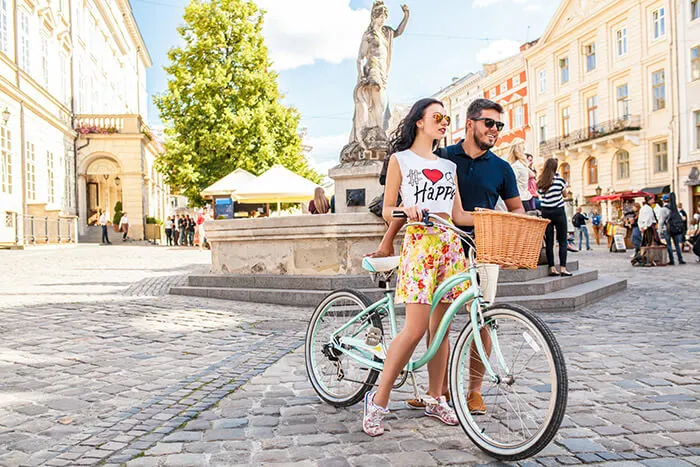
{"points": [[551, 188]]}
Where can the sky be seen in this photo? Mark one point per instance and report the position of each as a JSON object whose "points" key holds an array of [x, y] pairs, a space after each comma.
{"points": [[314, 43]]}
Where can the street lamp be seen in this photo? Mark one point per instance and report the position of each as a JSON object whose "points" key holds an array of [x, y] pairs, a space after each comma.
{"points": [[5, 115], [117, 181]]}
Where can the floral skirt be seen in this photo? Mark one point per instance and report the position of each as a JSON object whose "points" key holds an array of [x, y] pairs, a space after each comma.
{"points": [[429, 256]]}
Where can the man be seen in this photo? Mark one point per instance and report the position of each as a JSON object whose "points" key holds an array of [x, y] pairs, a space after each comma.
{"points": [[596, 221], [483, 177], [647, 221], [671, 228], [103, 222], [579, 221], [684, 216]]}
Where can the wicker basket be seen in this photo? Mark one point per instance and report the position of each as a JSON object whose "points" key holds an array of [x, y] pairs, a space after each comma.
{"points": [[511, 240]]}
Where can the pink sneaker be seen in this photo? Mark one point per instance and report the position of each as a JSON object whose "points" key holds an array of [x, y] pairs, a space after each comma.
{"points": [[439, 409], [372, 420]]}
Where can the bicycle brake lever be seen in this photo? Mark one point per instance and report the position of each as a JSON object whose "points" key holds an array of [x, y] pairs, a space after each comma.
{"points": [[426, 219]]}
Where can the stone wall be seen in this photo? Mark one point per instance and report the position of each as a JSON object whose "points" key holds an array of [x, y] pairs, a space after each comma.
{"points": [[302, 245]]}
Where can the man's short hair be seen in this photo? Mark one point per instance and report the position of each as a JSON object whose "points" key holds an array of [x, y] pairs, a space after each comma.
{"points": [[476, 107]]}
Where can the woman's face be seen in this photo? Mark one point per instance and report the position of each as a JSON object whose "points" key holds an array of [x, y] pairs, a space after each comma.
{"points": [[434, 122], [529, 161]]}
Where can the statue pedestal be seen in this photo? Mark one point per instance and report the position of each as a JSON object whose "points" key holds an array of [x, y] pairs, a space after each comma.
{"points": [[328, 244], [356, 185]]}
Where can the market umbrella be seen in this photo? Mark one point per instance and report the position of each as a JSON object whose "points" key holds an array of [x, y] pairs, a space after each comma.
{"points": [[277, 185], [229, 184]]}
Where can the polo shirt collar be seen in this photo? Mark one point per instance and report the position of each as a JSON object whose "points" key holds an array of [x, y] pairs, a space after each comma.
{"points": [[484, 156]]}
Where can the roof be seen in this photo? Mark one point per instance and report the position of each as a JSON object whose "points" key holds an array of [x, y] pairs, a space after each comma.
{"points": [[278, 184], [229, 184]]}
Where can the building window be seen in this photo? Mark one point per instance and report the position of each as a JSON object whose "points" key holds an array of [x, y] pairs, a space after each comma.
{"points": [[661, 157], [63, 65], [564, 70], [25, 62], [658, 84], [31, 171], [519, 117], [516, 80], [592, 169], [6, 155], [697, 129], [623, 102], [623, 164], [543, 128], [589, 51], [695, 63], [621, 41], [542, 81], [658, 21], [565, 122], [694, 9], [45, 61], [565, 172], [50, 177], [3, 26], [458, 123], [503, 88], [592, 112]]}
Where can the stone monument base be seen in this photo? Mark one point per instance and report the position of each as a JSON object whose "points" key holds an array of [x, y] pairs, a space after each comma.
{"points": [[326, 244], [356, 185]]}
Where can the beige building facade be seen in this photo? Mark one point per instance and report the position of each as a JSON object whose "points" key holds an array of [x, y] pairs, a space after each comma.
{"points": [[602, 94], [73, 102], [456, 97]]}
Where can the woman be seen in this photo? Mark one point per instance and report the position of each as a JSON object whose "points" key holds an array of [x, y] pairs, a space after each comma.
{"points": [[169, 230], [320, 204], [429, 254], [517, 160], [124, 226], [532, 182], [551, 188]]}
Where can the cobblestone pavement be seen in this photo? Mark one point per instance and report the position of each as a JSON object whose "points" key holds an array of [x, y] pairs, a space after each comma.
{"points": [[179, 381]]}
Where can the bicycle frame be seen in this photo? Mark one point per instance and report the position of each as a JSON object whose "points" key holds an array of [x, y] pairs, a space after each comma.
{"points": [[358, 350]]}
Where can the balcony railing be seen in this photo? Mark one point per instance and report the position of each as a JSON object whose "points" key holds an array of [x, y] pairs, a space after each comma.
{"points": [[39, 229], [560, 143], [114, 124]]}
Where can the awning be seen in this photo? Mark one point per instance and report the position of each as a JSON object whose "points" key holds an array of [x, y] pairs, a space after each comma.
{"points": [[618, 196], [657, 190], [229, 184], [277, 185]]}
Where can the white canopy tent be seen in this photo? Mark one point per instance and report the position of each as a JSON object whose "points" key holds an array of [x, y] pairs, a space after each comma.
{"points": [[277, 185], [229, 184]]}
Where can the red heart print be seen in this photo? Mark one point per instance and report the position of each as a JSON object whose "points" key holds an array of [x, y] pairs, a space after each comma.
{"points": [[433, 175]]}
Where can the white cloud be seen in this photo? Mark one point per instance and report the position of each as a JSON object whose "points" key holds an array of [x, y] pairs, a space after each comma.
{"points": [[484, 3], [533, 7], [302, 32], [497, 50], [325, 152]]}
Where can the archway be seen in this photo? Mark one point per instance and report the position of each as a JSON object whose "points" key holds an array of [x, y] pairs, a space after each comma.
{"points": [[102, 179]]}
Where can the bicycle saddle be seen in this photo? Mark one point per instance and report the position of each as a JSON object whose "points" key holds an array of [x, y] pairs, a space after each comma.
{"points": [[385, 264]]}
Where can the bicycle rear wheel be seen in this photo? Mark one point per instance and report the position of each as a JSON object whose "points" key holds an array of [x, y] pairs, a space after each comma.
{"points": [[525, 408], [336, 377]]}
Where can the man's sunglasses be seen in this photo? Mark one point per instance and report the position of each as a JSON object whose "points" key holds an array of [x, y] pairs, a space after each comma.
{"points": [[439, 117], [490, 122]]}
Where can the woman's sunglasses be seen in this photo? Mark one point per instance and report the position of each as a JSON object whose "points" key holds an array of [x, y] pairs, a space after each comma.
{"points": [[490, 122], [439, 117]]}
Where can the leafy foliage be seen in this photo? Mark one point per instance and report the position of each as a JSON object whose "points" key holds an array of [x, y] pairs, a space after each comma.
{"points": [[223, 105]]}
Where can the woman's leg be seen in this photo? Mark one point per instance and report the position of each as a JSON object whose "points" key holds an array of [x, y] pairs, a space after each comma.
{"points": [[561, 228], [549, 240], [437, 366], [401, 349]]}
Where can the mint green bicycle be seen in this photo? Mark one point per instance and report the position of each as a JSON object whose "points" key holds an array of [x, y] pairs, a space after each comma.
{"points": [[525, 382]]}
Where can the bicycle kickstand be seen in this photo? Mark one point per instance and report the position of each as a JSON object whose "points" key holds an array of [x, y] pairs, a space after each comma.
{"points": [[415, 386]]}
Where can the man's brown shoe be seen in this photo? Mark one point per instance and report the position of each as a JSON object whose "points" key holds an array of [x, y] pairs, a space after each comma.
{"points": [[475, 403]]}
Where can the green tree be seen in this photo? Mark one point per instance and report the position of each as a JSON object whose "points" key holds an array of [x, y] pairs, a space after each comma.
{"points": [[222, 108]]}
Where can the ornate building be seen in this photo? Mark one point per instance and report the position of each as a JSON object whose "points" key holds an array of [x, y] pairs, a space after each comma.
{"points": [[456, 97], [601, 95], [73, 137]]}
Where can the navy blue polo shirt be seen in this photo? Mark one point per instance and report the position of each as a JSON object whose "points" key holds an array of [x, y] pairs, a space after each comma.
{"points": [[481, 180]]}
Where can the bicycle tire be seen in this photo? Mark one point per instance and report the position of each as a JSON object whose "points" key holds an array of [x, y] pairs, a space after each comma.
{"points": [[557, 405], [310, 352]]}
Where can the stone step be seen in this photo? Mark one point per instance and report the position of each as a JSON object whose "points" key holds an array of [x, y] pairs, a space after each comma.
{"points": [[545, 285], [93, 234], [327, 283], [569, 299]]}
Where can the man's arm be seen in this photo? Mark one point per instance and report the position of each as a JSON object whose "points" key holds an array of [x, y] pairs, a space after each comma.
{"points": [[515, 205]]}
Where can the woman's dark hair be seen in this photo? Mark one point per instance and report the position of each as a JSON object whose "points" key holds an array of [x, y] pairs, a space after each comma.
{"points": [[547, 176], [402, 138]]}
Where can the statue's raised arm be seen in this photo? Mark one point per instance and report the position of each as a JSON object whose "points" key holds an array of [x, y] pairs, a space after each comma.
{"points": [[402, 25]]}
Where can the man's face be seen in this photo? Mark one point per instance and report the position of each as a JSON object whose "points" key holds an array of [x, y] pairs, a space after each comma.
{"points": [[485, 138], [578, 210]]}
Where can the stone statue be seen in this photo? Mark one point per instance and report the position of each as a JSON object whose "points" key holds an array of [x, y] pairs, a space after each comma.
{"points": [[368, 138]]}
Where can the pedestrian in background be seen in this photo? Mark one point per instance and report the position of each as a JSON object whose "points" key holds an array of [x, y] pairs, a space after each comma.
{"points": [[551, 188], [671, 228], [647, 222], [518, 161], [320, 204], [579, 221], [169, 231], [103, 222], [636, 233], [532, 183], [596, 222], [182, 225], [124, 226], [191, 227]]}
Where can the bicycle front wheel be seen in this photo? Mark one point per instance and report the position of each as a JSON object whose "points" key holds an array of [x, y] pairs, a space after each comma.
{"points": [[526, 404], [336, 377]]}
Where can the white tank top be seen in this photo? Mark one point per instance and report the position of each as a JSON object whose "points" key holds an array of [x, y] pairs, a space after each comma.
{"points": [[428, 184]]}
